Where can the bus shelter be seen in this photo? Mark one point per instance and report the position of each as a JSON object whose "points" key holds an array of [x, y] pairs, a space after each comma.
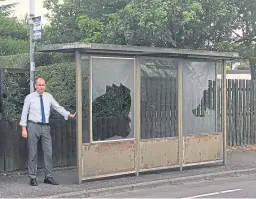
{"points": [[146, 108]]}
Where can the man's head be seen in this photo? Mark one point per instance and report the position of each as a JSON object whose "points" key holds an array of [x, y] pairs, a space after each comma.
{"points": [[40, 85]]}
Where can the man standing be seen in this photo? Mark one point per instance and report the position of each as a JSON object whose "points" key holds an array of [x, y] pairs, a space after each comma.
{"points": [[35, 125]]}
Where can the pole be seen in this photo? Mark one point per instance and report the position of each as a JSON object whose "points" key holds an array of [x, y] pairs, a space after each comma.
{"points": [[79, 121], [224, 111], [32, 45], [137, 115], [180, 118]]}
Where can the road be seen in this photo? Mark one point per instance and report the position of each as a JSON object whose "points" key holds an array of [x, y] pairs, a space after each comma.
{"points": [[239, 187]]}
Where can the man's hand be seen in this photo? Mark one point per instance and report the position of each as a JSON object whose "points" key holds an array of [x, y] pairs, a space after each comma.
{"points": [[72, 115], [24, 132]]}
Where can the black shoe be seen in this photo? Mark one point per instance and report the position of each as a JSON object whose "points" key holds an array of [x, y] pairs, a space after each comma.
{"points": [[33, 182], [50, 180]]}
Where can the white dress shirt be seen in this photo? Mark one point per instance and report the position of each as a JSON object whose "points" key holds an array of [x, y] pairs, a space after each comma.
{"points": [[32, 108]]}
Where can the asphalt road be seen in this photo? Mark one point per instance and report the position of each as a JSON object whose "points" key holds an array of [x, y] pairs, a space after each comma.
{"points": [[240, 187]]}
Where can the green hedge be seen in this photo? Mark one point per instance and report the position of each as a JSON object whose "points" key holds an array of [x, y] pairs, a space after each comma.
{"points": [[60, 82], [15, 88], [41, 59], [60, 79], [13, 46]]}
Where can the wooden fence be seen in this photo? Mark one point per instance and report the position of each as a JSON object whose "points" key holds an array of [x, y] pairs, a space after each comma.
{"points": [[13, 148], [241, 117], [159, 110]]}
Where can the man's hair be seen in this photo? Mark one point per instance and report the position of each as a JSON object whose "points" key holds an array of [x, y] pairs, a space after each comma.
{"points": [[39, 77]]}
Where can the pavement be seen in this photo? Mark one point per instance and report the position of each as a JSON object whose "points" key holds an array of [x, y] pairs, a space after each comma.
{"points": [[16, 184], [240, 187]]}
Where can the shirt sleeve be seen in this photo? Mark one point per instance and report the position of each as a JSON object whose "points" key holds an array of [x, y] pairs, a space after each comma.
{"points": [[24, 114], [55, 105]]}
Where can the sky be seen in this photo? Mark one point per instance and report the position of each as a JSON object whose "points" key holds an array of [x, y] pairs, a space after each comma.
{"points": [[22, 8]]}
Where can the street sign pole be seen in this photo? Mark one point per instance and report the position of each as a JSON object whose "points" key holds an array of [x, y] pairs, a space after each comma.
{"points": [[32, 45]]}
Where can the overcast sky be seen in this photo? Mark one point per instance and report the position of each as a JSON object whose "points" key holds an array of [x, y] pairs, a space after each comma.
{"points": [[22, 8]]}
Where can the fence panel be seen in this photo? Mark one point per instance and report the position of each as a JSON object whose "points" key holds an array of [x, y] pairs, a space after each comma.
{"points": [[2, 146], [240, 112], [252, 115], [14, 151], [63, 142], [158, 107], [15, 154]]}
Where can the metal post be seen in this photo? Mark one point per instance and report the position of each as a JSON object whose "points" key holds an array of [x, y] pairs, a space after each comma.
{"points": [[32, 45], [224, 111], [216, 98], [90, 100], [180, 135], [137, 114], [79, 109]]}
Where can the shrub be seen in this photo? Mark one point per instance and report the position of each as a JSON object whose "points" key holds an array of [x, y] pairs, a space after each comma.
{"points": [[60, 82], [15, 88]]}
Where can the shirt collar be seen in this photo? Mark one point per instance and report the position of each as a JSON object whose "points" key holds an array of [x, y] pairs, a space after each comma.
{"points": [[37, 94]]}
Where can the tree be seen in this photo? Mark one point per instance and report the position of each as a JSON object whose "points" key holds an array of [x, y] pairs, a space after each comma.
{"points": [[63, 17], [13, 33], [195, 24], [62, 27], [246, 36], [6, 8], [13, 36], [245, 22]]}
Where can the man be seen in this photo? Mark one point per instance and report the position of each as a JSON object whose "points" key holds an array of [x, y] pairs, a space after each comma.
{"points": [[35, 125]]}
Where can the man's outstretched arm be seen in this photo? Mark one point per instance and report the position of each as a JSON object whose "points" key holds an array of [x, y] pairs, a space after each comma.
{"points": [[61, 110]]}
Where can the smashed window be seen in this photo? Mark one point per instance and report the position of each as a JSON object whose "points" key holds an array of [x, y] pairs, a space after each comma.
{"points": [[198, 97], [112, 98]]}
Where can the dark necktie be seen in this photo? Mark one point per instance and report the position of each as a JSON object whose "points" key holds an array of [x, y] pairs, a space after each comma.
{"points": [[42, 109]]}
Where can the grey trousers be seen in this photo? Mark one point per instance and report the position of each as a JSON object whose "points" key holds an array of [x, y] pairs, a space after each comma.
{"points": [[35, 131]]}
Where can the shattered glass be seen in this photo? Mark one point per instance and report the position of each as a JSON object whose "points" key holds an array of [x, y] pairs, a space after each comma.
{"points": [[199, 98], [112, 98]]}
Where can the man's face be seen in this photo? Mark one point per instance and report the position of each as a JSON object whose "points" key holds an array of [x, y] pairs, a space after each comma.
{"points": [[40, 86]]}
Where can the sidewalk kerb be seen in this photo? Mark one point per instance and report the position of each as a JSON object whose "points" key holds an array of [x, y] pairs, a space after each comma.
{"points": [[153, 184]]}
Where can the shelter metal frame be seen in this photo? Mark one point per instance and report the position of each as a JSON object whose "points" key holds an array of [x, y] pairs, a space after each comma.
{"points": [[137, 147]]}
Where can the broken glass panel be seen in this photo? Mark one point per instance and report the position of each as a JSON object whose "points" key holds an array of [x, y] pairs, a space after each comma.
{"points": [[112, 98], [199, 98]]}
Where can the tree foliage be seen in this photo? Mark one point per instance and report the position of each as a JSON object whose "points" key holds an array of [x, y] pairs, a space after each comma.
{"points": [[9, 46], [222, 25], [13, 33], [60, 82], [64, 16], [196, 24], [6, 9], [15, 88]]}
